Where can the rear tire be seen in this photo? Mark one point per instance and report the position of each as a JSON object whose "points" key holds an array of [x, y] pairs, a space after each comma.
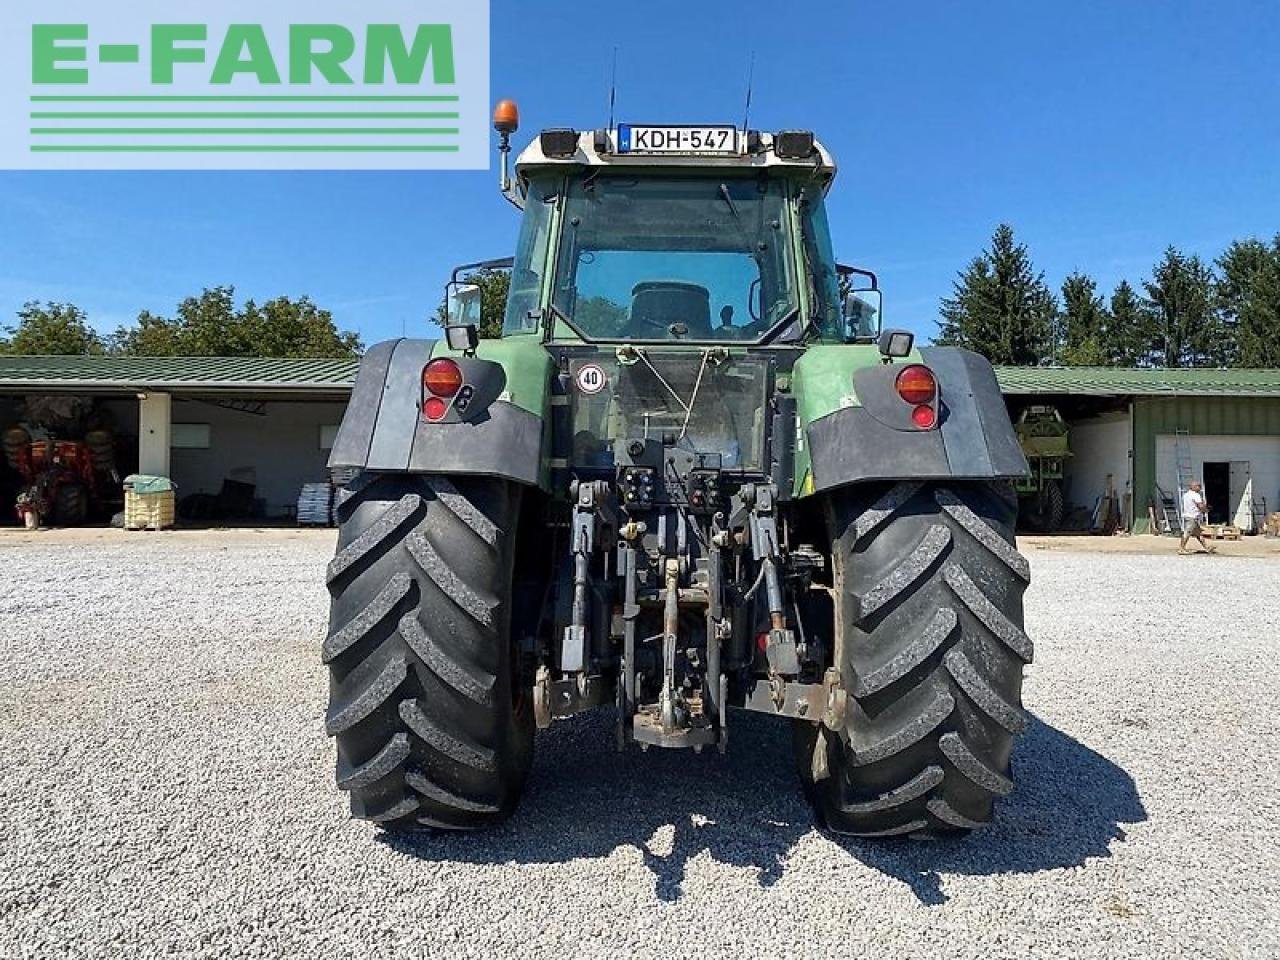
{"points": [[928, 590], [431, 723], [1043, 512], [70, 505]]}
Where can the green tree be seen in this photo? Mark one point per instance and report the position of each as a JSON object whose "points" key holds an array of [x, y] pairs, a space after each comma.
{"points": [[295, 328], [1083, 322], [1130, 332], [1180, 295], [1001, 307], [151, 336], [210, 325], [1248, 294], [494, 286], [53, 329]]}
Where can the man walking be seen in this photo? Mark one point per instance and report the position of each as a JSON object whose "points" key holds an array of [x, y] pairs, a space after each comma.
{"points": [[1193, 511]]}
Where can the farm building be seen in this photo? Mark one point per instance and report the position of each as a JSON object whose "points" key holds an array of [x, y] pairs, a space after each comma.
{"points": [[1128, 424], [269, 423], [259, 427]]}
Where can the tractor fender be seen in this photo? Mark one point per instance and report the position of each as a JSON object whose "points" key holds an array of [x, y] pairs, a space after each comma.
{"points": [[384, 430], [874, 439]]}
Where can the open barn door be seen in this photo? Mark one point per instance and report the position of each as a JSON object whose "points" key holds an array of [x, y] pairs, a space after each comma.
{"points": [[1241, 494]]}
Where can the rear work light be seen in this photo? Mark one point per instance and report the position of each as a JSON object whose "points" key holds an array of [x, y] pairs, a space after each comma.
{"points": [[793, 144], [560, 144], [442, 377]]}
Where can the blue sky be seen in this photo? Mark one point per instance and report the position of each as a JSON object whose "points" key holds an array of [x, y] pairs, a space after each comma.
{"points": [[1103, 131]]}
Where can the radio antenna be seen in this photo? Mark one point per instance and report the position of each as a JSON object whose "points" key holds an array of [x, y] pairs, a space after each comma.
{"points": [[613, 87], [751, 76]]}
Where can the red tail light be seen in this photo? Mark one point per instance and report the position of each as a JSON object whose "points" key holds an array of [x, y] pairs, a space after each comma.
{"points": [[924, 416], [916, 384], [441, 378], [433, 408]]}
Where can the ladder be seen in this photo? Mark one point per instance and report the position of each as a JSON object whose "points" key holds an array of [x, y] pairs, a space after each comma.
{"points": [[1170, 512], [1182, 460]]}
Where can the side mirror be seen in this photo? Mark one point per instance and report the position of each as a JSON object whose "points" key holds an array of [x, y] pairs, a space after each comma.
{"points": [[462, 316], [462, 304], [862, 313]]}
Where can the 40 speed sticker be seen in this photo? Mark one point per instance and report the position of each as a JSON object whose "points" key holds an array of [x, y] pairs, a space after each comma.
{"points": [[591, 378]]}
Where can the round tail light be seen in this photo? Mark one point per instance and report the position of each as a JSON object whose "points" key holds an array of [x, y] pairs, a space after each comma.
{"points": [[434, 408], [916, 384], [442, 377], [924, 416]]}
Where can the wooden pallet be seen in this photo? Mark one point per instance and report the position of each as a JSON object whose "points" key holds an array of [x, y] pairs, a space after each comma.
{"points": [[1221, 531]]}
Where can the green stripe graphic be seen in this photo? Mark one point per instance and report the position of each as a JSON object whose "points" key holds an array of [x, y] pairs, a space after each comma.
{"points": [[346, 98], [237, 115], [242, 148], [165, 131]]}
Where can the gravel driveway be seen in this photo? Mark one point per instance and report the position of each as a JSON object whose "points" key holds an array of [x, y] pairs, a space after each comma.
{"points": [[166, 788]]}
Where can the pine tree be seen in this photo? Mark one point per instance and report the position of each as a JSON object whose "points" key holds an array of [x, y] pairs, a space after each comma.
{"points": [[1130, 333], [1001, 308], [1248, 294], [1188, 330], [1083, 322]]}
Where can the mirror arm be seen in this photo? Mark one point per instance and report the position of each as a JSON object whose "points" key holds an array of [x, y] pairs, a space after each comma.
{"points": [[845, 270], [501, 263]]}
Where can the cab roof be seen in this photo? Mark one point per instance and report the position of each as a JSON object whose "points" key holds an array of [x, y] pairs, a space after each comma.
{"points": [[616, 148]]}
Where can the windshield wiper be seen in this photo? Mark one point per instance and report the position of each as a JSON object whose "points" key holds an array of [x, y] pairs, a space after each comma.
{"points": [[728, 198], [737, 219]]}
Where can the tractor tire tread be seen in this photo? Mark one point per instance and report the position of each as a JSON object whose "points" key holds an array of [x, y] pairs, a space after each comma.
{"points": [[424, 698], [928, 585]]}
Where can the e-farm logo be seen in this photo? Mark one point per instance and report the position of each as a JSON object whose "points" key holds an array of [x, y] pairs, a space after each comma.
{"points": [[143, 84]]}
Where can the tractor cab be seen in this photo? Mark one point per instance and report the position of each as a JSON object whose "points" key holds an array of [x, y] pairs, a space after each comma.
{"points": [[675, 235]]}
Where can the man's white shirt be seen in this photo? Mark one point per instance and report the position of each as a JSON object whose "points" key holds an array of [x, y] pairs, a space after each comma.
{"points": [[1191, 504]]}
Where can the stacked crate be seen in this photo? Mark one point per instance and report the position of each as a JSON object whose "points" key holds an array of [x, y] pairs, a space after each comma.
{"points": [[148, 503]]}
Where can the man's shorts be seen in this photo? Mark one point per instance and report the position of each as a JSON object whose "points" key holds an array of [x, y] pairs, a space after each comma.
{"points": [[1191, 528]]}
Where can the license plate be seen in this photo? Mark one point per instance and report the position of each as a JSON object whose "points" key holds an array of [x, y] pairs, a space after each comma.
{"points": [[701, 141]]}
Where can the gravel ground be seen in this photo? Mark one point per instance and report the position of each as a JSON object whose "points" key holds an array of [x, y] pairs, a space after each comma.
{"points": [[166, 789]]}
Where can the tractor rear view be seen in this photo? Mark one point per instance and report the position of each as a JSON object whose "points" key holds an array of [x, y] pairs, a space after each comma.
{"points": [[59, 477], [1043, 435], [690, 479]]}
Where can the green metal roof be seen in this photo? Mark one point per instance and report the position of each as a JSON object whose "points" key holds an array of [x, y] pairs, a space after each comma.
{"points": [[1125, 381], [189, 374]]}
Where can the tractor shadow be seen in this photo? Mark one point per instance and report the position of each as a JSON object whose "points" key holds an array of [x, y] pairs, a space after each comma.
{"points": [[746, 809]]}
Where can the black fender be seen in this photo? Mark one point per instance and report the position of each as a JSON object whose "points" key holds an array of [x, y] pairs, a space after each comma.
{"points": [[877, 440], [384, 429]]}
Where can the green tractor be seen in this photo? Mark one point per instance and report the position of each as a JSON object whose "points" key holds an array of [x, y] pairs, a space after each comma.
{"points": [[1042, 434], [689, 479]]}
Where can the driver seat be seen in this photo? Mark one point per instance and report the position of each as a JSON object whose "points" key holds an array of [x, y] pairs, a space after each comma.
{"points": [[660, 303]]}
